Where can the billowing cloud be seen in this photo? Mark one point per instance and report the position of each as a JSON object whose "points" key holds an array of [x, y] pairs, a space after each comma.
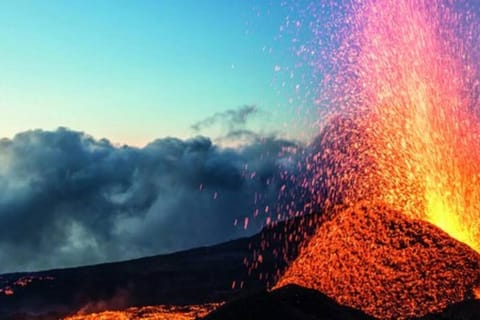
{"points": [[68, 199]]}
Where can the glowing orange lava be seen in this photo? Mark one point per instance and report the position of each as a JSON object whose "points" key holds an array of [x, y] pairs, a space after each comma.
{"points": [[388, 265], [162, 312]]}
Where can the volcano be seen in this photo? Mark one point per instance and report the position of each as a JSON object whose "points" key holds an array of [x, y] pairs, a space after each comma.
{"points": [[374, 258], [364, 262]]}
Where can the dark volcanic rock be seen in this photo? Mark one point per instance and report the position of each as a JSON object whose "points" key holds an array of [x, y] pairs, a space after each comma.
{"points": [[465, 310], [289, 302], [194, 276], [191, 277]]}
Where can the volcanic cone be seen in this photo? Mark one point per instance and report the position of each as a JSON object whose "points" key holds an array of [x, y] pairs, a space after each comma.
{"points": [[376, 259]]}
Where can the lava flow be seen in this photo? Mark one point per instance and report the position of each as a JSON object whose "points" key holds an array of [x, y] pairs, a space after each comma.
{"points": [[161, 312], [399, 154]]}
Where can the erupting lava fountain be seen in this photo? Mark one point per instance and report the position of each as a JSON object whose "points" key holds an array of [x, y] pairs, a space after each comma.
{"points": [[401, 154]]}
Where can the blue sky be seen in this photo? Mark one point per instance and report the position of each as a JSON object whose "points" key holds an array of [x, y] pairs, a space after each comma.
{"points": [[132, 71]]}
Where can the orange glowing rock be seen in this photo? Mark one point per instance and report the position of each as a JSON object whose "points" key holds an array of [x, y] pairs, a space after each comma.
{"points": [[376, 259]]}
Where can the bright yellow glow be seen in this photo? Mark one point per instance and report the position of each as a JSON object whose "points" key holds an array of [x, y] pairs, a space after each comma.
{"points": [[447, 216]]}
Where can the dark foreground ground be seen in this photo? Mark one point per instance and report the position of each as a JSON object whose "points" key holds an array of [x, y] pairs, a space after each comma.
{"points": [[195, 276], [297, 303], [290, 302]]}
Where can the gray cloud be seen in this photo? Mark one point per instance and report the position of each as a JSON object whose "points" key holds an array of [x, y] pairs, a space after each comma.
{"points": [[234, 119], [68, 199]]}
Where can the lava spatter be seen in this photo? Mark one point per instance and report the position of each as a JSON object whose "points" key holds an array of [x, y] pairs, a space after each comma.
{"points": [[378, 260]]}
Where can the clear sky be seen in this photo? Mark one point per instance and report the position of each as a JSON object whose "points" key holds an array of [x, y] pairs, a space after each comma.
{"points": [[132, 71]]}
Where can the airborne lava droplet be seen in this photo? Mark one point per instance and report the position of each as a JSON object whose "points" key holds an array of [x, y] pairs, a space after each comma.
{"points": [[245, 223]]}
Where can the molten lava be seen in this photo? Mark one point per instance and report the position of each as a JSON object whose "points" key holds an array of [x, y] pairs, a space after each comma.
{"points": [[388, 265], [162, 312]]}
